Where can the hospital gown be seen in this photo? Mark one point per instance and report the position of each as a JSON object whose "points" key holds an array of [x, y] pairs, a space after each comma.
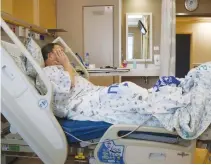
{"points": [[185, 108]]}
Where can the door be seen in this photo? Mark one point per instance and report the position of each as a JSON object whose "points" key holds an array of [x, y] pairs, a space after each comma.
{"points": [[98, 35], [183, 42]]}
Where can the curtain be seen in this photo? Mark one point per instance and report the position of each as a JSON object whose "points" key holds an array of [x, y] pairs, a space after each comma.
{"points": [[168, 38]]}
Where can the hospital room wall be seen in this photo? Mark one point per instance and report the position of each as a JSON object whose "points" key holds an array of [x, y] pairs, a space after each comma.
{"points": [[200, 39], [70, 18], [142, 6]]}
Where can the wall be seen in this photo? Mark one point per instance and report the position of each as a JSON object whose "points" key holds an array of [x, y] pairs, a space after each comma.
{"points": [[200, 39], [204, 7]]}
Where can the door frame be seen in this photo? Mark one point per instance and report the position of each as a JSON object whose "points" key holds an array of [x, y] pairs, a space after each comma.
{"points": [[191, 47]]}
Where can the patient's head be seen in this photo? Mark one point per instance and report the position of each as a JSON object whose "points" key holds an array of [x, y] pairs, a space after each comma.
{"points": [[48, 52]]}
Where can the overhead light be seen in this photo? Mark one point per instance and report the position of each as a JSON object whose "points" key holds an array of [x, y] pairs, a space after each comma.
{"points": [[135, 16]]}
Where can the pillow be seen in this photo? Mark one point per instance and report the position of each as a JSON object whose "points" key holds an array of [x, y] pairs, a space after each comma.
{"points": [[16, 54], [20, 61], [36, 53], [40, 86]]}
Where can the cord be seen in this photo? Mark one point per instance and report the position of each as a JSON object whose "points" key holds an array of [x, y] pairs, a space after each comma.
{"points": [[109, 139]]}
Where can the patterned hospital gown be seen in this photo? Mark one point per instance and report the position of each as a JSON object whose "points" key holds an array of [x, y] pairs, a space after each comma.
{"points": [[185, 108], [85, 101]]}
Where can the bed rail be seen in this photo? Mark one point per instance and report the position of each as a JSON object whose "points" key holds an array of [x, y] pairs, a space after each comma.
{"points": [[29, 113]]}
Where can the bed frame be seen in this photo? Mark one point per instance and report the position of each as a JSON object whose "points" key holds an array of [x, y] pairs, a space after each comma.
{"points": [[122, 150]]}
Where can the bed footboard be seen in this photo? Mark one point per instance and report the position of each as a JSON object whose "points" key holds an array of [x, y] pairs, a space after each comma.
{"points": [[134, 151]]}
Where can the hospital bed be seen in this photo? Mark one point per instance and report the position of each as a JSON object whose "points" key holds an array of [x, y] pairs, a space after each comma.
{"points": [[34, 128]]}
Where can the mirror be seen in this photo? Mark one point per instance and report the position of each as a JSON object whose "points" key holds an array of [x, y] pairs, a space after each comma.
{"points": [[139, 36]]}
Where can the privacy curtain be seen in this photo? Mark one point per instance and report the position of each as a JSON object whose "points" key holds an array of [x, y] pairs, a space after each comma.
{"points": [[168, 38]]}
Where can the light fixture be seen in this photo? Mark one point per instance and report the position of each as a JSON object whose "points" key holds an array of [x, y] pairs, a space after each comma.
{"points": [[135, 16]]}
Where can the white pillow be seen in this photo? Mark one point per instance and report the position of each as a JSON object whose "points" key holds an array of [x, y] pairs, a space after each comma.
{"points": [[36, 53], [40, 86]]}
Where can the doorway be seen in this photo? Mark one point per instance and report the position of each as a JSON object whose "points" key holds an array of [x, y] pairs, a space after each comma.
{"points": [[192, 42], [183, 45]]}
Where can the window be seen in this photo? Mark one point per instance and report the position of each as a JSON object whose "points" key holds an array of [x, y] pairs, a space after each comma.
{"points": [[130, 46]]}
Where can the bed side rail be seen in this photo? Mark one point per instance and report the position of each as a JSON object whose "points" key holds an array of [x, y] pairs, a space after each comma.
{"points": [[30, 113]]}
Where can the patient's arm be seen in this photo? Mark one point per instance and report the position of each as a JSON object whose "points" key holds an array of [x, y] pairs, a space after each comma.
{"points": [[64, 61], [59, 79], [69, 69]]}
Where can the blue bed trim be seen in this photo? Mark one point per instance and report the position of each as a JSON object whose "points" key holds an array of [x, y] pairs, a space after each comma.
{"points": [[84, 130]]}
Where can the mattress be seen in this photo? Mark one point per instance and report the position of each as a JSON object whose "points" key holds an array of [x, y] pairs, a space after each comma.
{"points": [[89, 130], [84, 130]]}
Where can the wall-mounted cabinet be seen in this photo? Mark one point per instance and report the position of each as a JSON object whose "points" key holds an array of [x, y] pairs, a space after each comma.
{"points": [[39, 12], [6, 6], [24, 10], [47, 13]]}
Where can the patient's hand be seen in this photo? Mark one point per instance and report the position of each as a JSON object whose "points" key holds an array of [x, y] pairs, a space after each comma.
{"points": [[62, 59]]}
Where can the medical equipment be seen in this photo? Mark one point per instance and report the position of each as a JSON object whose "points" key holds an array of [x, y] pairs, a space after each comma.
{"points": [[34, 121]]}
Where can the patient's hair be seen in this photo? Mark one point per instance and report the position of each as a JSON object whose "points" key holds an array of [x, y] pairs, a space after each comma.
{"points": [[47, 49]]}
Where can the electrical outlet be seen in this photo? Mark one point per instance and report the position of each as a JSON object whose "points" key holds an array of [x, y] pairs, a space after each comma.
{"points": [[37, 36], [156, 48], [157, 59], [21, 31], [27, 32]]}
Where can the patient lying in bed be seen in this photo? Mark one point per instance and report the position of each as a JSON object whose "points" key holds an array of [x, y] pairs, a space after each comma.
{"points": [[173, 107]]}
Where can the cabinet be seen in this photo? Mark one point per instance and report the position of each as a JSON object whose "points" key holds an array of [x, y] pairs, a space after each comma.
{"points": [[24, 10], [47, 13], [6, 6], [39, 12]]}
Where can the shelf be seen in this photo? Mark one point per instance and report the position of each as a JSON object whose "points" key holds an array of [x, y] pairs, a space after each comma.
{"points": [[12, 20]]}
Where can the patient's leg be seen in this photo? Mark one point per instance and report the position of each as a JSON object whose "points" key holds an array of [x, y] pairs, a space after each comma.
{"points": [[125, 96]]}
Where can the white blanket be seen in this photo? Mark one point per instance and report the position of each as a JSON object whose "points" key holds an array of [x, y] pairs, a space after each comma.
{"points": [[186, 108]]}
